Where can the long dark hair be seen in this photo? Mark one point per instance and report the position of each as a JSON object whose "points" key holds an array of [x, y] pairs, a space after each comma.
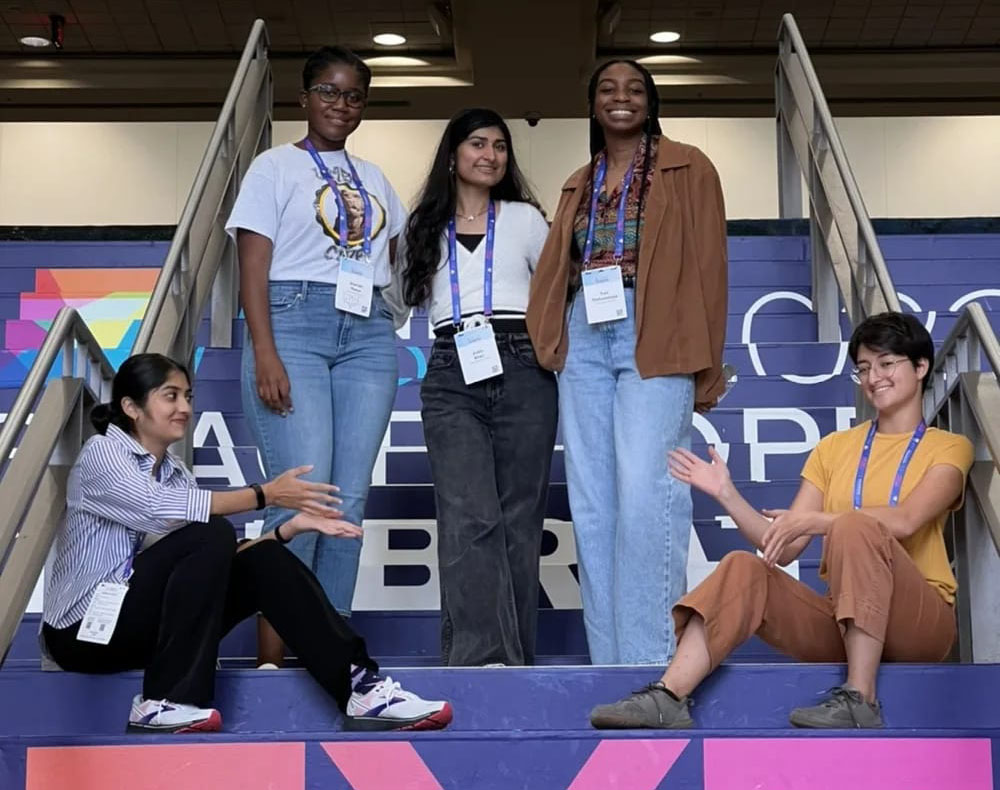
{"points": [[650, 128], [136, 378], [327, 56], [436, 203]]}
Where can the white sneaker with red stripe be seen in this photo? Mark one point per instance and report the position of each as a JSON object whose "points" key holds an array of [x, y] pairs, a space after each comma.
{"points": [[379, 703], [160, 715]]}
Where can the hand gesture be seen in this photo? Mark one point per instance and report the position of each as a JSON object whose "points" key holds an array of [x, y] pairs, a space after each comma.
{"points": [[711, 478], [786, 527], [273, 387], [332, 526], [287, 490]]}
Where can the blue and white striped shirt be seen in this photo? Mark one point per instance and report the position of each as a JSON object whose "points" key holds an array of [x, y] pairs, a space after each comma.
{"points": [[113, 501]]}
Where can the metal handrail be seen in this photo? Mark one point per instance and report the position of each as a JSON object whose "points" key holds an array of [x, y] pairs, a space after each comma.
{"points": [[34, 483], [971, 338], [66, 328], [860, 245], [964, 397], [169, 273]]}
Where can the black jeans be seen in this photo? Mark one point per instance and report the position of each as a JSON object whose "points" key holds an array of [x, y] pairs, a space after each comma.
{"points": [[490, 448], [188, 590]]}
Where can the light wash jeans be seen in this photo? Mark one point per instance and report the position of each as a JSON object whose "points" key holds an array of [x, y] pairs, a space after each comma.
{"points": [[631, 519], [343, 374]]}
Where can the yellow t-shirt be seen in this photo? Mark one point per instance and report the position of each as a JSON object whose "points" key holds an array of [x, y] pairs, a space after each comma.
{"points": [[833, 465]]}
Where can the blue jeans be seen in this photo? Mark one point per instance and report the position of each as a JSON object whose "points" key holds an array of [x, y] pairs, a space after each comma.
{"points": [[631, 519], [343, 374]]}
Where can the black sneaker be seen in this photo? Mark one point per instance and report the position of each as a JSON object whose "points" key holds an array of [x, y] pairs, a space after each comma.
{"points": [[844, 709], [649, 708]]}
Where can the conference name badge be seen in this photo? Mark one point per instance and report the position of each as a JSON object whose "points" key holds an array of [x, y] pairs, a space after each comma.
{"points": [[604, 294], [355, 285], [101, 618], [478, 354]]}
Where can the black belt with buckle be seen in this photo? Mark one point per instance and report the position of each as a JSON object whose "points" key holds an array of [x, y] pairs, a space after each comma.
{"points": [[628, 280], [500, 326]]}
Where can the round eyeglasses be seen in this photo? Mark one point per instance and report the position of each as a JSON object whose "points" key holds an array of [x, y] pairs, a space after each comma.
{"points": [[329, 94], [884, 367]]}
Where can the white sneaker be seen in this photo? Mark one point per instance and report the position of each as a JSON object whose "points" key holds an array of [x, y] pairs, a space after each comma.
{"points": [[379, 703], [160, 715]]}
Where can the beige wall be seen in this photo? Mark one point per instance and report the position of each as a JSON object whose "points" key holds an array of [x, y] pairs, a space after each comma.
{"points": [[139, 173]]}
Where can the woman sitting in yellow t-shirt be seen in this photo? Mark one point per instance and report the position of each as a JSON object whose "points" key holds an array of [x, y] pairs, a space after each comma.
{"points": [[879, 495]]}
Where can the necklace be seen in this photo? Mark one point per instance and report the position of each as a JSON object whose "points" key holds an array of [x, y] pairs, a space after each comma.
{"points": [[471, 217]]}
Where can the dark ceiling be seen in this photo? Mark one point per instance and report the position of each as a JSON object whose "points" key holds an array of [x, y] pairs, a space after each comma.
{"points": [[173, 59]]}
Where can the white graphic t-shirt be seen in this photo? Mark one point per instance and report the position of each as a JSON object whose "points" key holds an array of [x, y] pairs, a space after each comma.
{"points": [[284, 197]]}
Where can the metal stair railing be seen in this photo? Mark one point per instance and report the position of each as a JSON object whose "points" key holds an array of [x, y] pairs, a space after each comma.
{"points": [[200, 263], [847, 263], [964, 397], [201, 260], [33, 482], [845, 253]]}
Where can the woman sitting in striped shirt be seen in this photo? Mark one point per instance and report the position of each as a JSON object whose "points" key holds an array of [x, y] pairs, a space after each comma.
{"points": [[116, 600]]}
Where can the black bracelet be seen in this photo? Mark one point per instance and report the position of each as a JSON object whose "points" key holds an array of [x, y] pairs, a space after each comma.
{"points": [[261, 500], [278, 537]]}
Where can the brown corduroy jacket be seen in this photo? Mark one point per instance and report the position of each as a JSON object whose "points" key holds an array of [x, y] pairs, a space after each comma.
{"points": [[681, 297]]}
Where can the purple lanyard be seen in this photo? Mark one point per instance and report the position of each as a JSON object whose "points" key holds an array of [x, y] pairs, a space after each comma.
{"points": [[897, 483], [599, 175], [456, 299], [366, 239]]}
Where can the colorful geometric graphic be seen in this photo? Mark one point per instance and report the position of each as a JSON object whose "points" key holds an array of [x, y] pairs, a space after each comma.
{"points": [[111, 301]]}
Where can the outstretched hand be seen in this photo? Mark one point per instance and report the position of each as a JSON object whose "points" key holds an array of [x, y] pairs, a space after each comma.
{"points": [[334, 527], [711, 477]]}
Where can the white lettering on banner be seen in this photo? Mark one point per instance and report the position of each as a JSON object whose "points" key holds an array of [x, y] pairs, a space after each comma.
{"points": [[916, 308], [972, 296], [555, 575], [212, 422], [755, 360], [760, 450], [371, 591], [845, 417], [710, 435], [378, 471]]}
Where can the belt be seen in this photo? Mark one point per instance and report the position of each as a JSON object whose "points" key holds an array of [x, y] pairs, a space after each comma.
{"points": [[500, 326]]}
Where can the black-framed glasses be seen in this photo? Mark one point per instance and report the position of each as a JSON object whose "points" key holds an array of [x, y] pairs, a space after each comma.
{"points": [[329, 94], [884, 367]]}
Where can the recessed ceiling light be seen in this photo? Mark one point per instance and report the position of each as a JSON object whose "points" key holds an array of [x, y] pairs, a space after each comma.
{"points": [[389, 39], [418, 81], [696, 79], [665, 37], [35, 41], [667, 60], [392, 61]]}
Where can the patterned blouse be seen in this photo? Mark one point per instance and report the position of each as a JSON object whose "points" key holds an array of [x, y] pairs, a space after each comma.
{"points": [[606, 219]]}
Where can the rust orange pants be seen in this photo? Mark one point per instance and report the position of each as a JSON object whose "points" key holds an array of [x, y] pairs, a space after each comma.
{"points": [[872, 581]]}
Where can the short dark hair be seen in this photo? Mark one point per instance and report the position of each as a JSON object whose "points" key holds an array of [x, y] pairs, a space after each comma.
{"points": [[897, 333], [136, 378], [327, 56]]}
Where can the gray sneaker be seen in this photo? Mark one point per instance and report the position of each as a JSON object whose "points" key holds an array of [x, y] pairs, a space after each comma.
{"points": [[651, 707], [844, 709]]}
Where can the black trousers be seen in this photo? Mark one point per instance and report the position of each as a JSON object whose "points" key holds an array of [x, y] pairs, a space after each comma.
{"points": [[188, 590], [490, 447]]}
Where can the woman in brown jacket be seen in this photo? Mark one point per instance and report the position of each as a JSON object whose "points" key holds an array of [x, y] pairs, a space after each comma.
{"points": [[629, 303]]}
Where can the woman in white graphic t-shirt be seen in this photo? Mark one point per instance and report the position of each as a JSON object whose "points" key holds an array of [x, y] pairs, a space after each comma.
{"points": [[316, 231]]}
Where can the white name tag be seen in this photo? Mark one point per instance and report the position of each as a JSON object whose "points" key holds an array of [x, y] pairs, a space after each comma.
{"points": [[604, 294], [355, 284], [478, 353], [101, 617]]}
